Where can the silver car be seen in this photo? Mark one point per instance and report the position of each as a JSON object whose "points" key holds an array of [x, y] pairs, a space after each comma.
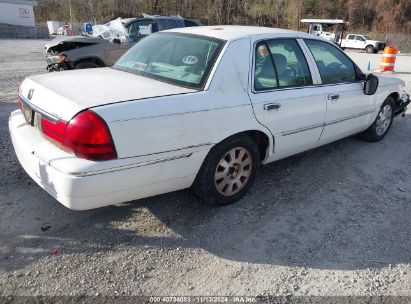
{"points": [[84, 51]]}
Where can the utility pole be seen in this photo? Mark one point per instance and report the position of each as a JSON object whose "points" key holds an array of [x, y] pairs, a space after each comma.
{"points": [[71, 19]]}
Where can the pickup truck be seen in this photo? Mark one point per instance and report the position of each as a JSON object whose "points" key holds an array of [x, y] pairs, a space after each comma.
{"points": [[362, 42]]}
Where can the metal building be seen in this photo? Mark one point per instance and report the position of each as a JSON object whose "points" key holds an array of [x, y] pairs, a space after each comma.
{"points": [[17, 12]]}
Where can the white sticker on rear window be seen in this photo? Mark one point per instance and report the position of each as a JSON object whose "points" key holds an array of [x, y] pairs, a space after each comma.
{"points": [[139, 66], [190, 60]]}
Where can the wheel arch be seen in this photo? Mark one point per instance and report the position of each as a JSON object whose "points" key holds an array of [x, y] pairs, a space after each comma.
{"points": [[263, 139], [95, 60], [394, 95]]}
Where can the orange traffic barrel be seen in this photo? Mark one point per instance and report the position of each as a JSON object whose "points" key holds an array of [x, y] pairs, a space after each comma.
{"points": [[388, 59]]}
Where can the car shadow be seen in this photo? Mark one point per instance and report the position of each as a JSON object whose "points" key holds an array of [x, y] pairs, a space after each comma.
{"points": [[326, 209]]}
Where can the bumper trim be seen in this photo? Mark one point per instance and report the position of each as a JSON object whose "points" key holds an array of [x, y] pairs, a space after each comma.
{"points": [[126, 167], [403, 106]]}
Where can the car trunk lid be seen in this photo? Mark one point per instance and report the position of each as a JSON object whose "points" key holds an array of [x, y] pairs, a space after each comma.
{"points": [[62, 95]]}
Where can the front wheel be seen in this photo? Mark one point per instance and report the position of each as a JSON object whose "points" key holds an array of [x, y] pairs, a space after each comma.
{"points": [[382, 124], [369, 49], [228, 171]]}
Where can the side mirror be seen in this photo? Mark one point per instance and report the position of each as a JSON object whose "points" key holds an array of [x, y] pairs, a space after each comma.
{"points": [[371, 84]]}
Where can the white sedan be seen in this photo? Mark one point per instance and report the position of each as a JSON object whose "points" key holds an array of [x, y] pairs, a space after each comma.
{"points": [[197, 107]]}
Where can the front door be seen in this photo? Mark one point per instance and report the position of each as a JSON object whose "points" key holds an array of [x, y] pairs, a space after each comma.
{"points": [[115, 50], [350, 41], [285, 98], [349, 110], [360, 42]]}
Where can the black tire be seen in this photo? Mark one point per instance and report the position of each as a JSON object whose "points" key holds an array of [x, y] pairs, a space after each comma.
{"points": [[205, 185], [86, 65], [372, 134], [369, 49]]}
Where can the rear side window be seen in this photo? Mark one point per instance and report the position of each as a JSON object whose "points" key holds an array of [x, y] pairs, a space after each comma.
{"points": [[333, 64], [165, 24], [351, 37], [280, 63]]}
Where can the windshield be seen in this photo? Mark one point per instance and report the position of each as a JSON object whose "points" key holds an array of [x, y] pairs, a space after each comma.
{"points": [[179, 59], [366, 37]]}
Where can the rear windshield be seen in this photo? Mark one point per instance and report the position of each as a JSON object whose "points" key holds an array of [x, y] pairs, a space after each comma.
{"points": [[180, 59]]}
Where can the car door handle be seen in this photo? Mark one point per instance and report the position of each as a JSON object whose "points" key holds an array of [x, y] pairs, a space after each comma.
{"points": [[333, 96], [272, 106]]}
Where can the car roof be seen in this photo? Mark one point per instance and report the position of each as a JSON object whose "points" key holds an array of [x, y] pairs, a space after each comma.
{"points": [[162, 17], [323, 21], [128, 21], [234, 32]]}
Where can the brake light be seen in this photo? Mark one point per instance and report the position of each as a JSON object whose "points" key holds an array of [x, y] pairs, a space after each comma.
{"points": [[86, 135], [54, 130]]}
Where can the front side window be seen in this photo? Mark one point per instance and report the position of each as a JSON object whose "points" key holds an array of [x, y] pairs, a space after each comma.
{"points": [[175, 58], [360, 38], [280, 63], [140, 29], [334, 66]]}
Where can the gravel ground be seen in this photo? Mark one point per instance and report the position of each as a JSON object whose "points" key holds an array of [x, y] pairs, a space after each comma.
{"points": [[334, 221], [18, 59]]}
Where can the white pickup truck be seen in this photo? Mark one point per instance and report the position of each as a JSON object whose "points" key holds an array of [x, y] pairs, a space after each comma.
{"points": [[362, 42]]}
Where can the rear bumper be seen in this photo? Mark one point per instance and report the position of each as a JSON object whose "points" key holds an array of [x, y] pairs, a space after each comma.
{"points": [[99, 189]]}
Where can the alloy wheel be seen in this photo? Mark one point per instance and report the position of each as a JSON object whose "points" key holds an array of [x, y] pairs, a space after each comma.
{"points": [[383, 120], [233, 171]]}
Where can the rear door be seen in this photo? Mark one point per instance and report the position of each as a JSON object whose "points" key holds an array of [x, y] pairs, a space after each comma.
{"points": [[348, 108], [113, 51], [285, 97]]}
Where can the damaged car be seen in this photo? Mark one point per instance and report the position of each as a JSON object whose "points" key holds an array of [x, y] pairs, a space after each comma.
{"points": [[204, 116], [107, 43]]}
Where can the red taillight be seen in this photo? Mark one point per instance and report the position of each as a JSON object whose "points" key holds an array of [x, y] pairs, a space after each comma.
{"points": [[86, 135], [54, 130]]}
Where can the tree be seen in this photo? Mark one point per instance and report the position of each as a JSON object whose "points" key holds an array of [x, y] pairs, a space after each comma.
{"points": [[378, 15]]}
